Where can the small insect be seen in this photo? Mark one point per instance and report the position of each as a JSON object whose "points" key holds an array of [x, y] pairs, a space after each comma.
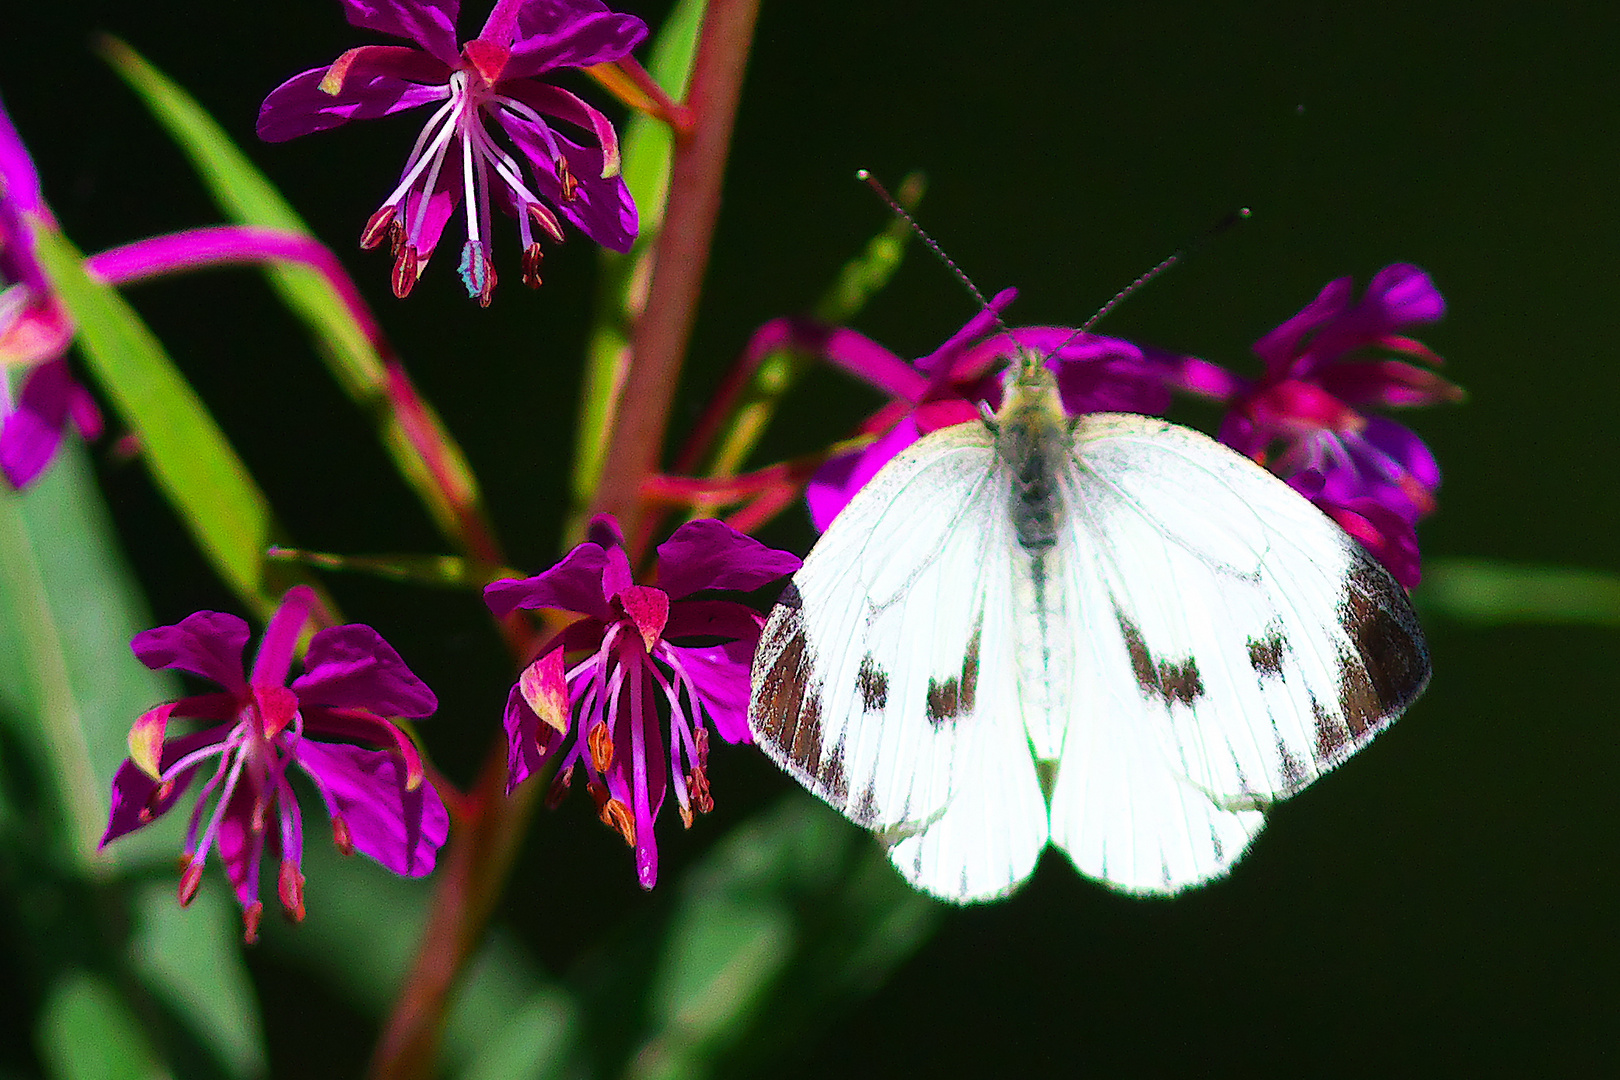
{"points": [[1111, 633]]}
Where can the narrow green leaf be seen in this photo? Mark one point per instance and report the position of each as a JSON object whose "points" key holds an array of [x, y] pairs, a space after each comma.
{"points": [[191, 960], [860, 279], [528, 1042], [69, 686], [361, 934], [189, 456], [1494, 592], [86, 1032], [793, 914], [69, 689], [246, 196], [438, 571], [646, 150], [508, 1022]]}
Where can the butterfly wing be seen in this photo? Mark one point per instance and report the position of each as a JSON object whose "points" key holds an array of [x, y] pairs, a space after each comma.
{"points": [[1236, 644], [886, 681]]}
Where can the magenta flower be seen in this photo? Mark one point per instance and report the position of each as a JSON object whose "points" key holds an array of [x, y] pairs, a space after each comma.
{"points": [[259, 726], [1306, 418], [491, 79], [1094, 374], [642, 657], [35, 331]]}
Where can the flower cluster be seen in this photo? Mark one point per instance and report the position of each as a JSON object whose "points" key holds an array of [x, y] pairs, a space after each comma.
{"points": [[1094, 374], [1305, 418], [492, 81], [35, 331], [258, 728], [645, 663]]}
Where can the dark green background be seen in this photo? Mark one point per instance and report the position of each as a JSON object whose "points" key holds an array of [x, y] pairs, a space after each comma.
{"points": [[1444, 904]]}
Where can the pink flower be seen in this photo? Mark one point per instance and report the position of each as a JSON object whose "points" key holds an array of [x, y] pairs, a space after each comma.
{"points": [[1307, 416], [491, 81], [35, 331], [643, 657], [1094, 374], [260, 726]]}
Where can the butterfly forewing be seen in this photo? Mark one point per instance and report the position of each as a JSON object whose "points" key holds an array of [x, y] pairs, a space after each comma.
{"points": [[1238, 645], [886, 682]]}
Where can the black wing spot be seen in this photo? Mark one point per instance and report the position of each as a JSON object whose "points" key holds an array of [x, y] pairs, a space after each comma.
{"points": [[873, 684], [955, 696], [1266, 653], [1169, 681], [1391, 665]]}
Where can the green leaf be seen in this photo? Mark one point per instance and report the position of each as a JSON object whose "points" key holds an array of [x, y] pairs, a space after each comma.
{"points": [[508, 1022], [794, 913], [69, 686], [361, 935], [188, 455], [1495, 592], [436, 571], [69, 689], [86, 1032], [191, 960], [246, 196]]}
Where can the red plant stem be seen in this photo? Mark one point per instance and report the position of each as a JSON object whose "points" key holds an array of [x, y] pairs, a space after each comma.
{"points": [[482, 849], [658, 344]]}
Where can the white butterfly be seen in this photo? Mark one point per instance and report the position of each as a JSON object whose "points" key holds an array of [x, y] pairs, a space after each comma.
{"points": [[1112, 633]]}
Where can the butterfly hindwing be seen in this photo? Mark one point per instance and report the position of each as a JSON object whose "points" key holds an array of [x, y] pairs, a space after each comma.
{"points": [[886, 679], [1237, 644]]}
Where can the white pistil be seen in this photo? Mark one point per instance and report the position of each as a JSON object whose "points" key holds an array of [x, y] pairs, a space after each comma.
{"points": [[467, 178], [419, 159]]}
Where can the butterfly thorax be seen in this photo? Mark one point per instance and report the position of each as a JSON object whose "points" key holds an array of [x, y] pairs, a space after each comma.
{"points": [[1032, 439]]}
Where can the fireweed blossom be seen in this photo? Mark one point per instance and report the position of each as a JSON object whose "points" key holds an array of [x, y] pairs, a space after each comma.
{"points": [[260, 726], [643, 663], [1094, 374], [39, 399], [491, 80], [1306, 419]]}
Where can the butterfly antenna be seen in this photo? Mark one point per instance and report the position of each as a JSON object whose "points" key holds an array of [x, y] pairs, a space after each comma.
{"points": [[1242, 213], [876, 185]]}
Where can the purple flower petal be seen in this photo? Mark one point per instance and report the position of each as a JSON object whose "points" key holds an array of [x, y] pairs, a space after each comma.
{"points": [[132, 788], [601, 208], [1405, 295], [570, 33], [710, 554], [574, 584], [30, 436], [18, 178], [524, 730], [429, 23], [1281, 347], [280, 641], [352, 666], [873, 364], [403, 830], [1403, 446], [832, 486], [205, 643], [720, 675], [299, 106], [241, 847]]}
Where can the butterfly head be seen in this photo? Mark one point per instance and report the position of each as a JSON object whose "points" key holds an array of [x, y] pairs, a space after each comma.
{"points": [[1032, 399]]}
